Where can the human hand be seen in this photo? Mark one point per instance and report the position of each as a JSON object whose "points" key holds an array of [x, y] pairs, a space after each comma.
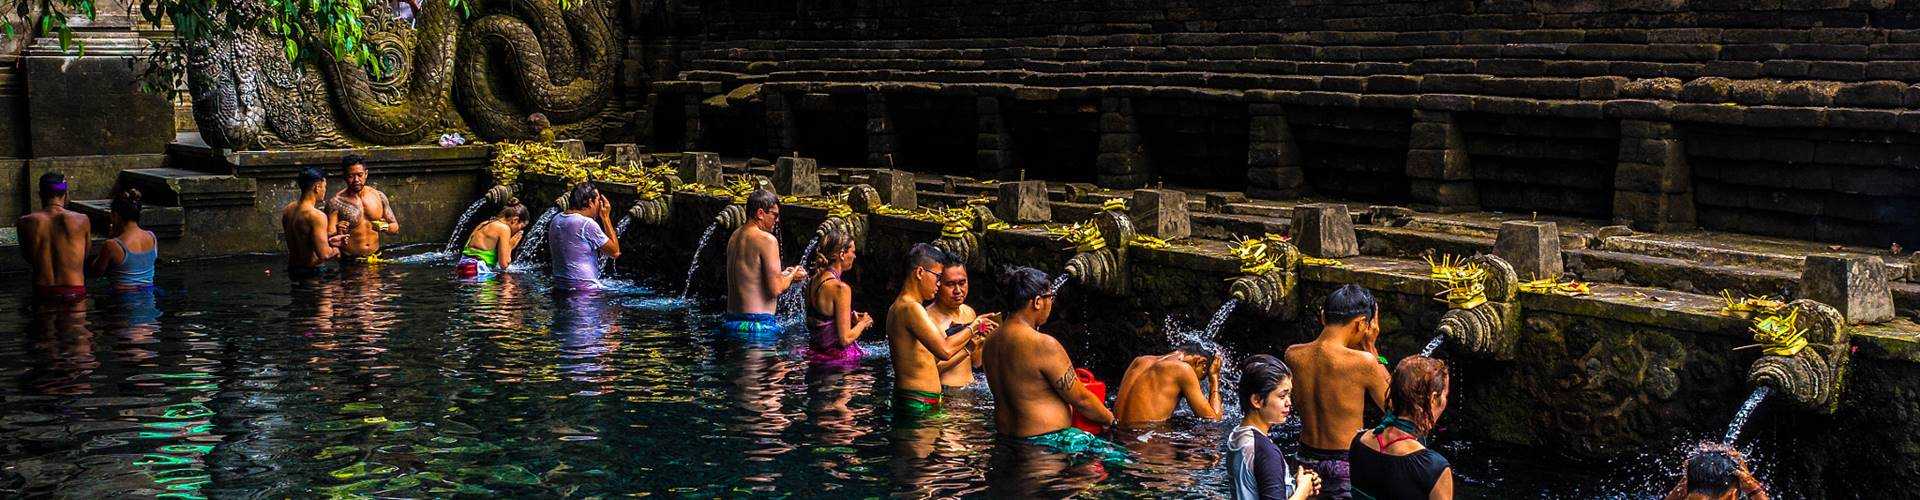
{"points": [[795, 273], [862, 320], [1307, 481], [337, 240]]}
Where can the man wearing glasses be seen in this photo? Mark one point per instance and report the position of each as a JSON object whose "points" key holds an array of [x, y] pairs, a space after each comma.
{"points": [[1035, 391], [918, 344], [754, 277]]}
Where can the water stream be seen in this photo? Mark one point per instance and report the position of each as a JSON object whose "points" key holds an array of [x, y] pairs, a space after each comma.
{"points": [[459, 235], [1746, 411], [619, 230], [793, 302], [534, 243], [697, 250], [1433, 345], [1059, 281]]}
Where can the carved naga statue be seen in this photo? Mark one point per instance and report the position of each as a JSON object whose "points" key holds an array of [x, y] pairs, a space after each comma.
{"points": [[1269, 278], [1490, 326], [247, 95]]}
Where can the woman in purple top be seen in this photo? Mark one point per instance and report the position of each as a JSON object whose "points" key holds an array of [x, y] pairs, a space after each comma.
{"points": [[830, 317]]}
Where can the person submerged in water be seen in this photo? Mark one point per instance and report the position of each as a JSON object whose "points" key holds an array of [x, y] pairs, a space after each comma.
{"points": [[918, 344], [1390, 462], [1256, 469], [1335, 376], [309, 242], [754, 277], [1154, 385], [830, 315], [364, 211], [580, 236], [951, 313], [489, 247], [1717, 471], [128, 258], [1035, 390], [54, 241]]}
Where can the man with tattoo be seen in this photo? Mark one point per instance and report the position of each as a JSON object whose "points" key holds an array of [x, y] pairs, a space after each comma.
{"points": [[1035, 392], [362, 212]]}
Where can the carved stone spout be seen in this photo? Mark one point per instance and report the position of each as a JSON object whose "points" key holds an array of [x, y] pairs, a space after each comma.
{"points": [[732, 217], [1272, 293], [855, 225], [499, 194], [1105, 269], [1813, 377], [1491, 328], [654, 212]]}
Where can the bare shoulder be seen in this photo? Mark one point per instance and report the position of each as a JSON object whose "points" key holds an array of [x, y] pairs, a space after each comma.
{"points": [[31, 218], [74, 219]]}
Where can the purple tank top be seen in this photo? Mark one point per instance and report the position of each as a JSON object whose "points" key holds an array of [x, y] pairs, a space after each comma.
{"points": [[825, 349]]}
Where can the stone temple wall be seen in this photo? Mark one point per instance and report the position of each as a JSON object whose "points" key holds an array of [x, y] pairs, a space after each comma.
{"points": [[1791, 118]]}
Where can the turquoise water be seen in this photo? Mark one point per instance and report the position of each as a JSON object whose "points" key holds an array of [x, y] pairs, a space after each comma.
{"points": [[400, 381]]}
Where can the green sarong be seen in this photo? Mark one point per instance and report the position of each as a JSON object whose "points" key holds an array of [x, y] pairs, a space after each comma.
{"points": [[913, 409], [1077, 443]]}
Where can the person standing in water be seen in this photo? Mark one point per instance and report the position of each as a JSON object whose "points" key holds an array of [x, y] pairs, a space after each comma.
{"points": [[830, 316], [579, 237], [127, 259], [1717, 471], [918, 344], [1390, 461], [54, 242], [1154, 385], [952, 314], [1035, 392], [1256, 468], [364, 211], [1336, 375], [309, 244], [490, 246], [754, 277]]}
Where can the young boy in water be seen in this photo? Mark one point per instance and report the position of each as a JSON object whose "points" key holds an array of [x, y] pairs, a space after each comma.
{"points": [[1716, 471]]}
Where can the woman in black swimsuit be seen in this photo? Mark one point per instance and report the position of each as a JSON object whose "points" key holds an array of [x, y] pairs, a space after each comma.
{"points": [[1390, 461]]}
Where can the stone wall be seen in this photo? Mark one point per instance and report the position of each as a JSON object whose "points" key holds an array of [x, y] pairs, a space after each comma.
{"points": [[1627, 111]]}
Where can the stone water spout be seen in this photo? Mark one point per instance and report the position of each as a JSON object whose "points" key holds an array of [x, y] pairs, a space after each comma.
{"points": [[1270, 290], [960, 235], [1101, 263], [852, 220], [1814, 374], [499, 194], [1491, 327], [654, 212]]}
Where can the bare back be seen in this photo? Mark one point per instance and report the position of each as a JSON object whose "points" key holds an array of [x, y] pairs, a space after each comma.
{"points": [[751, 252], [1152, 389], [301, 225], [1023, 369], [1331, 387], [915, 368], [55, 243]]}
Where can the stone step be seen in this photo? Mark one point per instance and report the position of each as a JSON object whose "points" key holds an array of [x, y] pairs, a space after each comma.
{"points": [[173, 187], [166, 222]]}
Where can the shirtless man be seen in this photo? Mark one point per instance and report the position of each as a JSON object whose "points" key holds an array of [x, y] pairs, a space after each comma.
{"points": [[917, 342], [1334, 377], [952, 314], [754, 277], [1154, 385], [1035, 392], [365, 212], [54, 241], [309, 245]]}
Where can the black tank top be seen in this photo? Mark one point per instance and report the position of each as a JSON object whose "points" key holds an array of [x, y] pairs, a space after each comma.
{"points": [[1387, 477]]}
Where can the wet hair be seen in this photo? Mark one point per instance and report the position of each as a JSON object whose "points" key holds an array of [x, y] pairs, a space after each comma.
{"points": [[925, 254], [1711, 469], [581, 195], [1198, 349], [832, 243], [761, 199], [126, 204], [1349, 302], [1260, 374], [308, 177], [52, 184], [1415, 378], [1021, 285], [512, 210], [348, 161]]}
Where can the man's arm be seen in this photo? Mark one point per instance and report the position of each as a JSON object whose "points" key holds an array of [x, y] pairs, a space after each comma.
{"points": [[317, 236], [1377, 382], [386, 209], [1442, 487], [920, 324], [611, 247], [503, 248], [777, 279], [964, 356], [1203, 406], [1058, 369]]}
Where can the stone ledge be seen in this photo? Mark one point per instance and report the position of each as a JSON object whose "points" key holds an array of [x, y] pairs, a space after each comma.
{"points": [[281, 165], [167, 223], [190, 189]]}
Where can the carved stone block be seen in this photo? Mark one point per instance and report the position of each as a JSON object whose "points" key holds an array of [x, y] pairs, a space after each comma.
{"points": [[700, 168], [1854, 284], [1532, 247], [795, 176], [1024, 202], [896, 188], [1325, 230], [1161, 213]]}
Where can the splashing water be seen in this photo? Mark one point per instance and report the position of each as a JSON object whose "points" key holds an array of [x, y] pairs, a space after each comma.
{"points": [[1220, 319], [1433, 345], [535, 242], [619, 230], [697, 249], [1746, 410], [1209, 337], [793, 301], [1059, 281], [454, 240]]}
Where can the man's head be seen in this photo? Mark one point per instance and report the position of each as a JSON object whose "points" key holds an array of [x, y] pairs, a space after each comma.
{"points": [[1028, 294], [311, 181], [954, 286], [1198, 355], [581, 197], [1351, 308], [53, 187], [1713, 471], [354, 169], [763, 209], [926, 263]]}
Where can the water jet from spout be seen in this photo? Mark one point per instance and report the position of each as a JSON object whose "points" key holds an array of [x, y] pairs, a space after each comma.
{"points": [[1433, 345], [534, 242], [454, 240], [1746, 410]]}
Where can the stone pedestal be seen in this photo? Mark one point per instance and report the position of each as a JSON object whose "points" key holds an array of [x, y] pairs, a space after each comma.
{"points": [[700, 168], [575, 148], [1325, 230], [1161, 213], [795, 176], [1273, 159], [1438, 174], [1532, 247], [92, 103], [1854, 284], [621, 154], [1023, 202], [1653, 186], [896, 188], [1123, 161]]}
